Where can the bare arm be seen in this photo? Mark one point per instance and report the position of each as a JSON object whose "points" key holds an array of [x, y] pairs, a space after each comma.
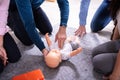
{"points": [[115, 34], [4, 4]]}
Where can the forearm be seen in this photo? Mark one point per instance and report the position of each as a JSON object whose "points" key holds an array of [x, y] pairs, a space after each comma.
{"points": [[115, 34], [64, 11], [1, 40], [84, 6]]}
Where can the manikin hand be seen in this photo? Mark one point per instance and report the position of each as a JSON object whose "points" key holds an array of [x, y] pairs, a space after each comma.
{"points": [[3, 55], [81, 31], [61, 36], [45, 52]]}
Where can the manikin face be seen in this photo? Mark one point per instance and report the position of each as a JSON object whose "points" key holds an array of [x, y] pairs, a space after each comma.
{"points": [[53, 58]]}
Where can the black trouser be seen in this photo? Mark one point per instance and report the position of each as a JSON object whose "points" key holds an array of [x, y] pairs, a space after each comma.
{"points": [[12, 50], [15, 23], [104, 57]]}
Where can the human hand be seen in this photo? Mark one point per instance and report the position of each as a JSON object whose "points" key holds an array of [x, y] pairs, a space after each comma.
{"points": [[81, 31], [114, 77], [3, 55], [61, 36], [45, 52]]}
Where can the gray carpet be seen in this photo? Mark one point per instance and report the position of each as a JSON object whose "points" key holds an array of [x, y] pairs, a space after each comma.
{"points": [[78, 67]]}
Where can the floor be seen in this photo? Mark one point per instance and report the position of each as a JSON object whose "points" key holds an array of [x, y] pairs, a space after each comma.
{"points": [[78, 67]]}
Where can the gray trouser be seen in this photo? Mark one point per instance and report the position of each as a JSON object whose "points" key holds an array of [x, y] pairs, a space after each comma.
{"points": [[104, 57]]}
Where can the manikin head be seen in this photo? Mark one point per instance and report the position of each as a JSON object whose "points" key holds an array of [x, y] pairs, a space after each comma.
{"points": [[53, 58]]}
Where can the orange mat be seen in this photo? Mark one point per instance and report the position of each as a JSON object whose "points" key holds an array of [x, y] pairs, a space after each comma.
{"points": [[32, 75]]}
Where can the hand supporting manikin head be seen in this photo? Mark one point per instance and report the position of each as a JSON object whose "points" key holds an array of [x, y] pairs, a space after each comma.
{"points": [[55, 56]]}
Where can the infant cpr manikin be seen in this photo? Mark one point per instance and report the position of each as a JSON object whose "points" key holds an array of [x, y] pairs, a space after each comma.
{"points": [[70, 48]]}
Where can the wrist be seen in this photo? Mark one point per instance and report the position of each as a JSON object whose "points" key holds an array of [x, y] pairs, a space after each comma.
{"points": [[1, 40], [63, 25], [82, 26], [62, 29], [45, 51]]}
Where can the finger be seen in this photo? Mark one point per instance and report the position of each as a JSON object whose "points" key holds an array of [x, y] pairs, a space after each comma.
{"points": [[4, 62], [83, 33], [5, 55], [59, 44], [3, 52], [62, 43], [1, 57], [78, 33], [78, 50]]}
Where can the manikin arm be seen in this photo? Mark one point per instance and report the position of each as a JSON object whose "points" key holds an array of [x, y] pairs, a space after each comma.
{"points": [[75, 52], [49, 42], [54, 56]]}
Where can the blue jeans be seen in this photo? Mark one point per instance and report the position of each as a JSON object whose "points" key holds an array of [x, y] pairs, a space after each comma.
{"points": [[101, 17]]}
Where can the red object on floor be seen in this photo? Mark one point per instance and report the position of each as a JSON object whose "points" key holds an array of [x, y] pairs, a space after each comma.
{"points": [[32, 75]]}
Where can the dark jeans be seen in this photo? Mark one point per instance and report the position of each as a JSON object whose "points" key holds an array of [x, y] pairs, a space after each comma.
{"points": [[15, 23], [101, 18], [12, 50], [39, 19], [104, 57]]}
